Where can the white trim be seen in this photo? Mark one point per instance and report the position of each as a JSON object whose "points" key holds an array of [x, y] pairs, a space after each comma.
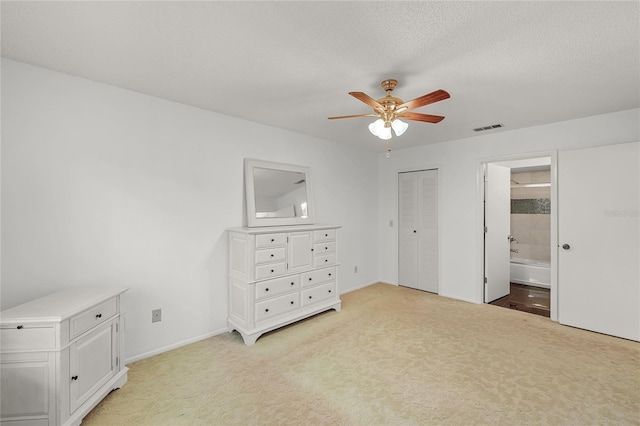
{"points": [[553, 154], [362, 286], [175, 345]]}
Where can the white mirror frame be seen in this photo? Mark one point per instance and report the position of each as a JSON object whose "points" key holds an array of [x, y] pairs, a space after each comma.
{"points": [[252, 221]]}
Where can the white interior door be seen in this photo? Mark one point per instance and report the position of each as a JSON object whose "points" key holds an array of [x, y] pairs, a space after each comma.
{"points": [[599, 238], [418, 230], [428, 231], [407, 230], [497, 216]]}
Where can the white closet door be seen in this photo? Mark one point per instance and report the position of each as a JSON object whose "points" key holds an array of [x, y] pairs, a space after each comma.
{"points": [[408, 229], [599, 238], [418, 230], [428, 231]]}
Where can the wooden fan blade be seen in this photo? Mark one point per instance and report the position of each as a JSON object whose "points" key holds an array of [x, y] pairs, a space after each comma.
{"points": [[416, 116], [423, 100], [363, 97], [353, 116]]}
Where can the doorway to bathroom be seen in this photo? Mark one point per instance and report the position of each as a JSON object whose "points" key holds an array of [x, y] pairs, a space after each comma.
{"points": [[517, 234]]}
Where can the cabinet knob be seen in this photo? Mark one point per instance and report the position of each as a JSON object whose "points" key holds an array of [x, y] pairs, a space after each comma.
{"points": [[310, 297], [74, 377], [20, 327], [326, 260], [414, 231], [329, 291], [99, 316], [272, 240], [266, 310], [292, 302], [266, 289], [309, 279], [329, 273], [326, 235], [272, 271], [272, 255], [293, 284], [326, 248]]}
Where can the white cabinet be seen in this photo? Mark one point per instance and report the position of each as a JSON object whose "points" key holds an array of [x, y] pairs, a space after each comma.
{"points": [[280, 275], [60, 355]]}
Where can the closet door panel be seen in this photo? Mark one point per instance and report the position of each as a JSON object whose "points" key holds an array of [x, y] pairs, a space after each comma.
{"points": [[428, 231], [407, 230]]}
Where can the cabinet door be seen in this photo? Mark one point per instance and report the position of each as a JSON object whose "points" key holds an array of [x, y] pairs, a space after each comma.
{"points": [[300, 254], [92, 362], [27, 382]]}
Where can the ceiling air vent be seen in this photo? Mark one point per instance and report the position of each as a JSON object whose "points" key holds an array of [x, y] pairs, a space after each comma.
{"points": [[493, 126]]}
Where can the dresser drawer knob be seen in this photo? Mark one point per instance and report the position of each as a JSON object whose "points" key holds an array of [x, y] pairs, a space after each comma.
{"points": [[266, 289], [326, 260], [99, 316], [326, 248], [266, 310], [20, 327], [326, 235], [272, 271], [293, 284], [74, 377], [310, 297], [329, 291], [329, 273], [292, 302], [310, 279], [272, 240]]}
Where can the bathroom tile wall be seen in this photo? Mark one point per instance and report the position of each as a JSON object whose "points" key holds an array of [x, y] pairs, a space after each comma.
{"points": [[530, 219]]}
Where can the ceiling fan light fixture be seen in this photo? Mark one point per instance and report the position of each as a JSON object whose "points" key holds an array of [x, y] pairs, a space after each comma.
{"points": [[399, 126], [376, 127], [385, 133]]}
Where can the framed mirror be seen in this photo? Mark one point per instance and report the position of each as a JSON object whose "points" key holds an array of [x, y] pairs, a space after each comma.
{"points": [[277, 194]]}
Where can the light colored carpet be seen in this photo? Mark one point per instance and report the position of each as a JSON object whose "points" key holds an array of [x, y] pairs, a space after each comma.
{"points": [[393, 356]]}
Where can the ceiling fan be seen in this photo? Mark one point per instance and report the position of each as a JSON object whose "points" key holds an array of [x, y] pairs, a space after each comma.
{"points": [[390, 109]]}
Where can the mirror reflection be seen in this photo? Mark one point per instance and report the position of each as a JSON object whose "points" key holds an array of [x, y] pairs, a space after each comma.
{"points": [[279, 194]]}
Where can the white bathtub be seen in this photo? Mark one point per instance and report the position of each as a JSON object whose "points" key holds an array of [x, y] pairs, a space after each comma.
{"points": [[531, 272]]}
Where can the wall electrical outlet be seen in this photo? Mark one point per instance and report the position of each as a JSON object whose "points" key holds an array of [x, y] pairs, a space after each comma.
{"points": [[156, 315]]}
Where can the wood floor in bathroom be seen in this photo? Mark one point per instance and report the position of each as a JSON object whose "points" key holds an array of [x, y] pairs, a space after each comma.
{"points": [[526, 298]]}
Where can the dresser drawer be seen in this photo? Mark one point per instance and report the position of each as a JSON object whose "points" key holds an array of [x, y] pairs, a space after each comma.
{"points": [[317, 277], [270, 240], [28, 337], [271, 255], [271, 308], [326, 247], [270, 270], [94, 316], [318, 294], [324, 235], [326, 260], [277, 286]]}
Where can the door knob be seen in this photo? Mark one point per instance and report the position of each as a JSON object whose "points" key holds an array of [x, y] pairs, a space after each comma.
{"points": [[566, 246]]}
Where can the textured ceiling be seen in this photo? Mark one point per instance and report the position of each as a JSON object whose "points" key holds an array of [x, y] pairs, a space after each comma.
{"points": [[291, 64]]}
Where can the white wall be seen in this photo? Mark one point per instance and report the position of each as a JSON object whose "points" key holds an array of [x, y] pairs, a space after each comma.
{"points": [[104, 186], [460, 213]]}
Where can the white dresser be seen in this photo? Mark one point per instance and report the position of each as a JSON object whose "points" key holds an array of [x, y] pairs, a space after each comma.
{"points": [[60, 355], [279, 275]]}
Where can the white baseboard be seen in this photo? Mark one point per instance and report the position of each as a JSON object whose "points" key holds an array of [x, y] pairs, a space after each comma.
{"points": [[175, 345], [361, 286]]}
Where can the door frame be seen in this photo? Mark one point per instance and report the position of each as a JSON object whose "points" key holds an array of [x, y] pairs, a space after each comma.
{"points": [[480, 273], [396, 224]]}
